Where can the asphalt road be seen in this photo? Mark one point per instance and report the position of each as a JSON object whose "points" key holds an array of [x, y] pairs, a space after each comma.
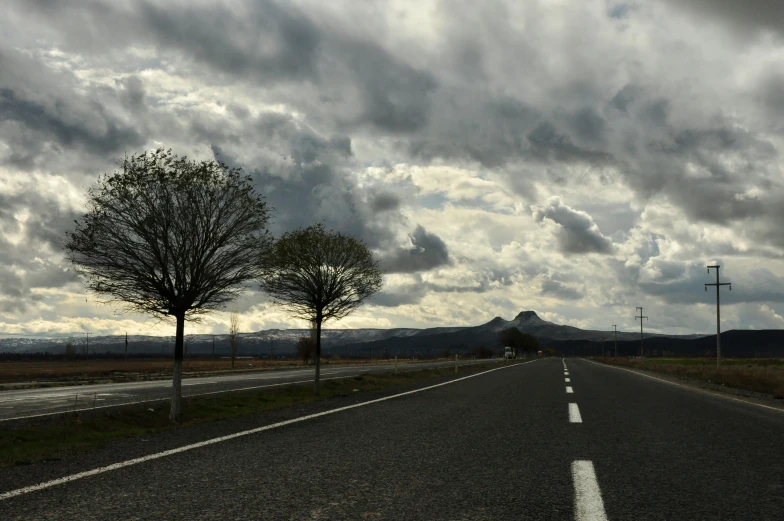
{"points": [[508, 444], [57, 400]]}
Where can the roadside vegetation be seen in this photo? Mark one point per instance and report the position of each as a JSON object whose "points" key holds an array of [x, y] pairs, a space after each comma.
{"points": [[759, 375], [53, 438], [46, 373]]}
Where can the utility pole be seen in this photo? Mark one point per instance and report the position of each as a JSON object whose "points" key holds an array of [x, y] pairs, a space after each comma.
{"points": [[718, 312], [615, 330], [126, 347], [642, 351]]}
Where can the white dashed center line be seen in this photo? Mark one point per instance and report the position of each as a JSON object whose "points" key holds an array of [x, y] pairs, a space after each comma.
{"points": [[567, 380], [569, 390], [574, 414], [588, 504]]}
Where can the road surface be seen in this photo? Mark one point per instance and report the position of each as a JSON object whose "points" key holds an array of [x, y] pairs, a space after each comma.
{"points": [[56, 400], [510, 444]]}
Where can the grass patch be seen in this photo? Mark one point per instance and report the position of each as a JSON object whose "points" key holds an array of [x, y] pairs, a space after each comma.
{"points": [[745, 362], [56, 437], [759, 375]]}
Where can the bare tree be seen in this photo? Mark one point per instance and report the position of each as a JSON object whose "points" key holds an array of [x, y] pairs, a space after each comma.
{"points": [[171, 237], [306, 348], [320, 275], [70, 350], [234, 340]]}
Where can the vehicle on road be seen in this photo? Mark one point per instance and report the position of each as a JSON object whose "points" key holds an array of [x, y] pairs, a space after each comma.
{"points": [[509, 353]]}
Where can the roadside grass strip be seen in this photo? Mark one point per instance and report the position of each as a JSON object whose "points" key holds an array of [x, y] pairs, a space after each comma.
{"points": [[588, 504], [689, 387], [135, 461], [574, 414]]}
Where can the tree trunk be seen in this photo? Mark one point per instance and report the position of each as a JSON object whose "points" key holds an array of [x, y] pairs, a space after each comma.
{"points": [[176, 408], [318, 356]]}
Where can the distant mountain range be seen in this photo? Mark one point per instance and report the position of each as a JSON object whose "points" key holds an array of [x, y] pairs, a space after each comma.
{"points": [[347, 342]]}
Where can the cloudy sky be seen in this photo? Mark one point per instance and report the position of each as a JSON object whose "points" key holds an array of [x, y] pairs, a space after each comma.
{"points": [[576, 157]]}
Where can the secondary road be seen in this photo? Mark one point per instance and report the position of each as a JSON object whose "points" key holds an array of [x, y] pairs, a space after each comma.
{"points": [[57, 400], [508, 444]]}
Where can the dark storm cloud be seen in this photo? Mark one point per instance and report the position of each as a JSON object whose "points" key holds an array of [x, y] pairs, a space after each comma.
{"points": [[265, 42], [25, 265], [305, 179], [577, 233], [269, 40], [48, 123], [396, 96], [559, 290], [748, 16], [385, 202], [428, 251], [43, 113], [411, 295]]}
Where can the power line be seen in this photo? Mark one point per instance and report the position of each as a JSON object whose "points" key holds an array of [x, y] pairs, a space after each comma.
{"points": [[615, 331], [642, 351], [718, 285]]}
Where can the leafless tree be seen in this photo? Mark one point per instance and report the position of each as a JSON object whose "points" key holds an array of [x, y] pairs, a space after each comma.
{"points": [[306, 349], [70, 350], [234, 339], [320, 275], [171, 237]]}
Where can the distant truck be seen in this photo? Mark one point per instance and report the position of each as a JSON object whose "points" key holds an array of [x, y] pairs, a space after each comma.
{"points": [[509, 353]]}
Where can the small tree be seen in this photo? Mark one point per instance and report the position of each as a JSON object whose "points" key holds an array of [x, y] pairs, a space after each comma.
{"points": [[70, 351], [320, 275], [234, 340], [513, 337], [172, 238], [306, 349]]}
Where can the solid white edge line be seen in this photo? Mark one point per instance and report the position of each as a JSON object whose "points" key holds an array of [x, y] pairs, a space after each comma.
{"points": [[166, 398], [574, 414], [588, 504], [569, 389], [149, 457], [689, 387]]}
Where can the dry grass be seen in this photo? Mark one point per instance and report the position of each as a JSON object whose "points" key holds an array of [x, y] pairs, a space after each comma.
{"points": [[759, 375]]}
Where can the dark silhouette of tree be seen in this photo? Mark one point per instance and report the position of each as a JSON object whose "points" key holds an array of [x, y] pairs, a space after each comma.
{"points": [[483, 352], [234, 339], [306, 349], [320, 275], [513, 337], [171, 237]]}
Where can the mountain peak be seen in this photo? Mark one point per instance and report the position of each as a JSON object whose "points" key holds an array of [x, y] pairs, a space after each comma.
{"points": [[528, 316]]}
